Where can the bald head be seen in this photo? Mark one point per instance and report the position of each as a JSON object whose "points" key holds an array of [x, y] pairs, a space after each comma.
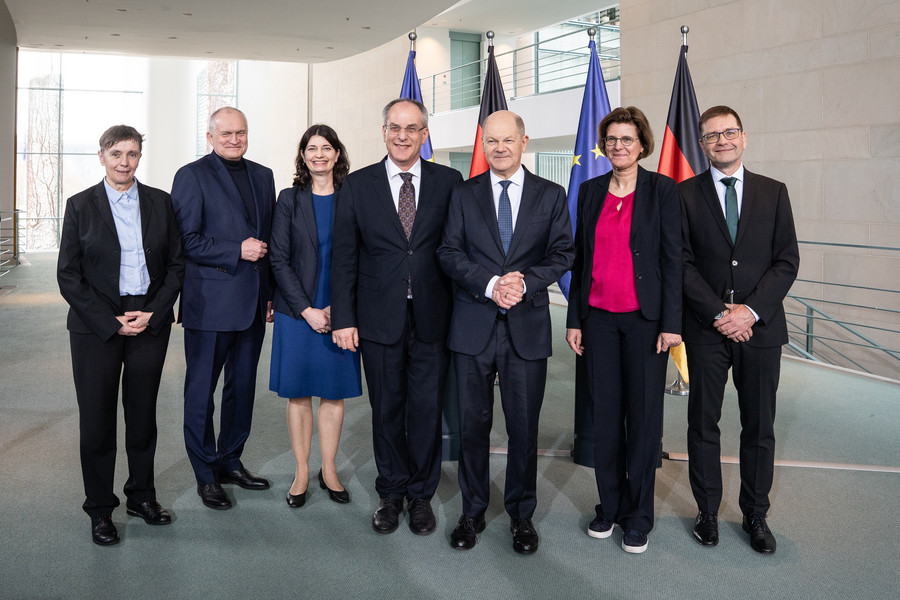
{"points": [[504, 141]]}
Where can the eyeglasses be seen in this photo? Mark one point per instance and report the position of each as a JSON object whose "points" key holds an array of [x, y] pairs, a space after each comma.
{"points": [[611, 141], [713, 136], [395, 129]]}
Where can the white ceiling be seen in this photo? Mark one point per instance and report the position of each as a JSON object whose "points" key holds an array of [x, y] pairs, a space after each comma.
{"points": [[279, 30]]}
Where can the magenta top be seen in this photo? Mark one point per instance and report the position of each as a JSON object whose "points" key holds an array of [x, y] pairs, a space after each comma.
{"points": [[612, 285]]}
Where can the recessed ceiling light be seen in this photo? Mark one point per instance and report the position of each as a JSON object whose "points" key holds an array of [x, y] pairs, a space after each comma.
{"points": [[115, 34], [121, 10], [365, 27], [187, 14], [172, 37]]}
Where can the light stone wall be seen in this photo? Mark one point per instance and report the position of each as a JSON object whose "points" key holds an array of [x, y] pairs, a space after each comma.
{"points": [[817, 85], [7, 109]]}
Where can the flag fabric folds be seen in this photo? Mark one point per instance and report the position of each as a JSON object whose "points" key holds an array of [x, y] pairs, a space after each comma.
{"points": [[588, 160], [680, 157], [410, 89], [492, 100]]}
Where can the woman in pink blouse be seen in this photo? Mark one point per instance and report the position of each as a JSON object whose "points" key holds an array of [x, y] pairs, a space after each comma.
{"points": [[624, 315]]}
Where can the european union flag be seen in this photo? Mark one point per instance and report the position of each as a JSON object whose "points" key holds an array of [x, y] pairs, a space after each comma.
{"points": [[589, 160], [410, 89]]}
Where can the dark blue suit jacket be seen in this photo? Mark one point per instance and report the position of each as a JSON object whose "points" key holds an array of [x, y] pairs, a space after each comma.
{"points": [[89, 259], [471, 254], [371, 258], [655, 244], [221, 291], [295, 251], [760, 265]]}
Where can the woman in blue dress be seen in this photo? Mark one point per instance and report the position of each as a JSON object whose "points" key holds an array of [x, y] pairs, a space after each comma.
{"points": [[305, 362]]}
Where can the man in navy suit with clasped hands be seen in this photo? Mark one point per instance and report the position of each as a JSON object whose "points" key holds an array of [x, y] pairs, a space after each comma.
{"points": [[224, 205]]}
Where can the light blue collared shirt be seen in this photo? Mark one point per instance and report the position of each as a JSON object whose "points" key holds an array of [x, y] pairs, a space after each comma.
{"points": [[514, 192], [134, 279]]}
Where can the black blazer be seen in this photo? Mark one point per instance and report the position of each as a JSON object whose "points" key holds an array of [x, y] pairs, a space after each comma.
{"points": [[760, 266], [371, 258], [294, 251], [89, 261], [471, 254], [655, 248]]}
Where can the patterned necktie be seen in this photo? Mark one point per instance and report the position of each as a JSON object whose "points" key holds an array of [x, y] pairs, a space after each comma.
{"points": [[731, 208], [504, 217], [407, 204]]}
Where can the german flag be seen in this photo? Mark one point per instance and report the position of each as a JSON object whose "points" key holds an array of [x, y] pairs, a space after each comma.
{"points": [[492, 100]]}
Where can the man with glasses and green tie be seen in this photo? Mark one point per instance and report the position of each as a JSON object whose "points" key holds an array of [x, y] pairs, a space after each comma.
{"points": [[740, 260]]}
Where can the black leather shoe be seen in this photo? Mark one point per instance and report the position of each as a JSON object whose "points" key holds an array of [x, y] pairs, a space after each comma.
{"points": [[761, 537], [295, 500], [341, 497], [421, 517], [464, 536], [525, 537], [387, 518], [214, 496], [706, 528], [244, 478], [103, 531], [150, 511]]}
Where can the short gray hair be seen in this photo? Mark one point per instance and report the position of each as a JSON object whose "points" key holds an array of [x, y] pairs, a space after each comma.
{"points": [[211, 126], [121, 133], [392, 103]]}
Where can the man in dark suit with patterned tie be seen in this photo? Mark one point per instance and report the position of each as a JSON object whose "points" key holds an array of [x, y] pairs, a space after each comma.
{"points": [[740, 260], [507, 238], [224, 205], [390, 299]]}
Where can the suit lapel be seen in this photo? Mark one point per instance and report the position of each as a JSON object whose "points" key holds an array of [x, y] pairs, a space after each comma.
{"points": [[748, 205], [484, 198], [385, 198], [596, 198], [426, 187], [227, 183], [146, 205], [641, 203], [307, 211], [527, 206], [101, 201], [708, 188]]}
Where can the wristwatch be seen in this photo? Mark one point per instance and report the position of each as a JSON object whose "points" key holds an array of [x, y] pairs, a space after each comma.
{"points": [[719, 316]]}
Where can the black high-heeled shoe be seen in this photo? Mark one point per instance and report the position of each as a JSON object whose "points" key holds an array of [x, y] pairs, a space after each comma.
{"points": [[295, 500], [342, 497]]}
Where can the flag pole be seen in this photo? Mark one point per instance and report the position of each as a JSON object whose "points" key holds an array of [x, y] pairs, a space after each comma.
{"points": [[679, 387], [412, 41]]}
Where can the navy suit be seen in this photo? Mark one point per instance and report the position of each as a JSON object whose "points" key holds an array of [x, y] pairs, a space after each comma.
{"points": [[759, 266], [403, 342], [518, 345], [625, 376], [223, 305], [88, 276]]}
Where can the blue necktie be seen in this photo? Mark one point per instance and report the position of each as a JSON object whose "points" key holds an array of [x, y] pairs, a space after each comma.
{"points": [[504, 217], [731, 208]]}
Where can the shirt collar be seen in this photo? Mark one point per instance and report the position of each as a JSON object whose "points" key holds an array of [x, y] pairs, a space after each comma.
{"points": [[393, 170], [717, 175], [115, 195], [518, 178]]}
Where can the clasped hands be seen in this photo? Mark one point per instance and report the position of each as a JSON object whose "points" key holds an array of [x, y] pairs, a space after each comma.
{"points": [[319, 319], [509, 290], [133, 322], [737, 323]]}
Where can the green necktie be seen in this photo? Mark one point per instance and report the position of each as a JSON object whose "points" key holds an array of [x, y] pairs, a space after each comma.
{"points": [[731, 208]]}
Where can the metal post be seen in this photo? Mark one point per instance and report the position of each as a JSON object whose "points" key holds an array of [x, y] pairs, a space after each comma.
{"points": [[809, 330]]}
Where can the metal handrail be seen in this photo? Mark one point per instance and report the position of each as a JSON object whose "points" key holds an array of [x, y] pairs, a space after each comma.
{"points": [[803, 336], [524, 75], [9, 244]]}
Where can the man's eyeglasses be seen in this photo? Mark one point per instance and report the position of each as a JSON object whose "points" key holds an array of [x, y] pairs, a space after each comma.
{"points": [[713, 136], [610, 141], [395, 129]]}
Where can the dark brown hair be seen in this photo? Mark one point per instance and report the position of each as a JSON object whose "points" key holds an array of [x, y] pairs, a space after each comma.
{"points": [[718, 111], [633, 116], [341, 167], [121, 133]]}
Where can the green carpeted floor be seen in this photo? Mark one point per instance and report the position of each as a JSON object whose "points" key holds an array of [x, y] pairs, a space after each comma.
{"points": [[837, 529]]}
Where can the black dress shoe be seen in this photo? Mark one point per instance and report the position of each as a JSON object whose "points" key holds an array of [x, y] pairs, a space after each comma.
{"points": [[295, 500], [244, 478], [421, 517], [525, 537], [149, 510], [387, 518], [761, 537], [342, 497], [103, 531], [214, 496], [706, 528], [464, 536]]}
